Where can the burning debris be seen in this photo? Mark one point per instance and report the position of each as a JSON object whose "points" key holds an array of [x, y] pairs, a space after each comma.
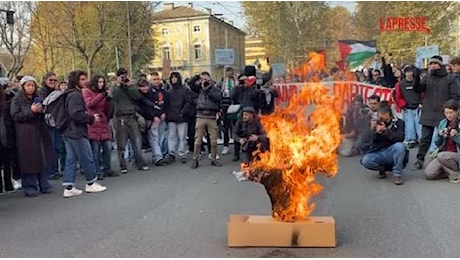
{"points": [[299, 149]]}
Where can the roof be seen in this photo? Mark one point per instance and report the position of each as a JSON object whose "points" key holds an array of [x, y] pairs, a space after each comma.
{"points": [[178, 12]]}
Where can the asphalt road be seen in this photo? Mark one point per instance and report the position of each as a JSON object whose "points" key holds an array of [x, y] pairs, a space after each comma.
{"points": [[173, 211]]}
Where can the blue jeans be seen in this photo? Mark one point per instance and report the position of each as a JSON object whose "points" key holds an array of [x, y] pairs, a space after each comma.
{"points": [[391, 157], [78, 149], [413, 128], [29, 183], [157, 135], [103, 156], [433, 145]]}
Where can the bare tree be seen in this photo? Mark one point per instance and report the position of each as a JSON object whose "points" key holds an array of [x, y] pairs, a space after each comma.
{"points": [[15, 38], [86, 36]]}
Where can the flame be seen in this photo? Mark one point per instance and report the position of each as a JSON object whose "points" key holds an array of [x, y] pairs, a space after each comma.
{"points": [[309, 70], [302, 143]]}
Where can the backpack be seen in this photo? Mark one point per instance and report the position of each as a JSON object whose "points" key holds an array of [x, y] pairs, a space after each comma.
{"points": [[55, 111]]}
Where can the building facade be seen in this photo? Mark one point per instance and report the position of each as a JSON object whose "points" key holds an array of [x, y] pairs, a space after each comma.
{"points": [[187, 40], [255, 53]]}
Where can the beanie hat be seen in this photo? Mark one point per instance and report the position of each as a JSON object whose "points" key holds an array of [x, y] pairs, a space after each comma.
{"points": [[249, 110], [436, 59], [4, 82], [27, 78], [408, 68]]}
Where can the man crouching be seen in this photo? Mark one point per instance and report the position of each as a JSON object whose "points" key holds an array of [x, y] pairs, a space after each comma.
{"points": [[249, 132], [387, 151]]}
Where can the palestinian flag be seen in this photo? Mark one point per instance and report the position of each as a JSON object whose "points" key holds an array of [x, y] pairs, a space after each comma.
{"points": [[355, 53]]}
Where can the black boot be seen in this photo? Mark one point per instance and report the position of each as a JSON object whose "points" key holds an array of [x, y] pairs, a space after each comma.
{"points": [[195, 164], [236, 152]]}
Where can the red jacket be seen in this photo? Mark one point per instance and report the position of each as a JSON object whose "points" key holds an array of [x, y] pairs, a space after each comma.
{"points": [[399, 99], [96, 103]]}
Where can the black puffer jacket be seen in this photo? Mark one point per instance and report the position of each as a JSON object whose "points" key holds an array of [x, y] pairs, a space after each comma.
{"points": [[176, 99], [437, 87]]}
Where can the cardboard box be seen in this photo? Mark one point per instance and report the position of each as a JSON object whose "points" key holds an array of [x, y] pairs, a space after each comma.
{"points": [[264, 231]]}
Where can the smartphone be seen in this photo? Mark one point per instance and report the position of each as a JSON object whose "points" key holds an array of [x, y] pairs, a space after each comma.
{"points": [[37, 100]]}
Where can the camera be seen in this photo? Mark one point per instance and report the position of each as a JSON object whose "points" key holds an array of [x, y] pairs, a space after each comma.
{"points": [[445, 131], [206, 84], [124, 79], [241, 82]]}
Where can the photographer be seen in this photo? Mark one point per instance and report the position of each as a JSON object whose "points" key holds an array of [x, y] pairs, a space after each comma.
{"points": [[387, 150], [249, 133], [208, 107], [124, 100], [447, 140]]}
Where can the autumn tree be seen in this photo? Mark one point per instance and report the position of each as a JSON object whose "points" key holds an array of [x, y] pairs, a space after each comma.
{"points": [[290, 30], [339, 26], [86, 34], [15, 38]]}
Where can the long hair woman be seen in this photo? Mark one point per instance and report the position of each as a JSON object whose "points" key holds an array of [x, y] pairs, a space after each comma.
{"points": [[98, 101], [75, 137], [33, 139]]}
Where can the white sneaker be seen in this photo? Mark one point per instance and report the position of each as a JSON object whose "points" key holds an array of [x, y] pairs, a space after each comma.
{"points": [[96, 187], [225, 150], [72, 193], [17, 185], [217, 157]]}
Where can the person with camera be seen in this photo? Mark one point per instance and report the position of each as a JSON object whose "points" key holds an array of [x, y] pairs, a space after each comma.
{"points": [[250, 133], [208, 107], [447, 141], [437, 87], [244, 95], [125, 98], [99, 102], [387, 151], [33, 139], [410, 102]]}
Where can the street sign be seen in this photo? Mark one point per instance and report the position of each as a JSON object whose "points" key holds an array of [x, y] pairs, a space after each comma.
{"points": [[225, 56], [427, 52], [445, 59]]}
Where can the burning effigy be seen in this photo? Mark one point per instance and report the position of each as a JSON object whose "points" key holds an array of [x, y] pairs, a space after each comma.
{"points": [[304, 137]]}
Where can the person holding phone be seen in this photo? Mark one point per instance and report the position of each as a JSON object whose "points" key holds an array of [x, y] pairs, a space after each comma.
{"points": [[33, 139]]}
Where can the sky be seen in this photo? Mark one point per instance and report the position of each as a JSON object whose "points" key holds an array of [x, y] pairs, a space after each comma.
{"points": [[232, 10]]}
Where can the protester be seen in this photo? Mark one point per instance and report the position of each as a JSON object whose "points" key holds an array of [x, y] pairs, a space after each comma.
{"points": [[227, 86], [75, 135], [98, 102], [410, 102], [208, 105], [125, 98], [437, 87], [176, 99], [33, 139], [387, 151], [447, 139], [7, 139], [249, 133]]}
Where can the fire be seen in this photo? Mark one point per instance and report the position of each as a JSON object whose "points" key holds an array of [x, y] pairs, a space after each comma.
{"points": [[309, 71], [303, 143]]}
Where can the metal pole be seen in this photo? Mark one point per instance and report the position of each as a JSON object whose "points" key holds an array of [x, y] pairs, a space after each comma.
{"points": [[129, 41], [425, 61], [117, 58]]}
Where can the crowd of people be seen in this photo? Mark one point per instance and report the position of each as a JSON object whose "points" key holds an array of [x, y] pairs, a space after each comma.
{"points": [[55, 130], [429, 100]]}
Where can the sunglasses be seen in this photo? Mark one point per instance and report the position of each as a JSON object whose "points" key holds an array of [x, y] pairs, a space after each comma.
{"points": [[52, 80]]}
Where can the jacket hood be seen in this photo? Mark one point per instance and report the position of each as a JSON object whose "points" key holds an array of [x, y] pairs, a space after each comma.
{"points": [[179, 79]]}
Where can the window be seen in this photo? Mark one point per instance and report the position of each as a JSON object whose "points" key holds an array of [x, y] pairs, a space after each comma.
{"points": [[198, 53], [178, 29], [166, 53], [164, 31], [179, 50], [196, 28]]}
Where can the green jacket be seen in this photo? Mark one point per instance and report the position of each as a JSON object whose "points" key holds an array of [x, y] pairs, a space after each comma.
{"points": [[125, 100], [440, 141]]}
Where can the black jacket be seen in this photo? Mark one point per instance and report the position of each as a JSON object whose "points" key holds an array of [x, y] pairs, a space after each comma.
{"points": [[393, 134], [245, 96], [413, 99], [208, 101], [148, 111], [244, 129], [176, 99], [79, 117], [438, 87], [43, 92]]}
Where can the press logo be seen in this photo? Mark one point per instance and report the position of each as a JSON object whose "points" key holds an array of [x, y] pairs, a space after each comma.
{"points": [[404, 24]]}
